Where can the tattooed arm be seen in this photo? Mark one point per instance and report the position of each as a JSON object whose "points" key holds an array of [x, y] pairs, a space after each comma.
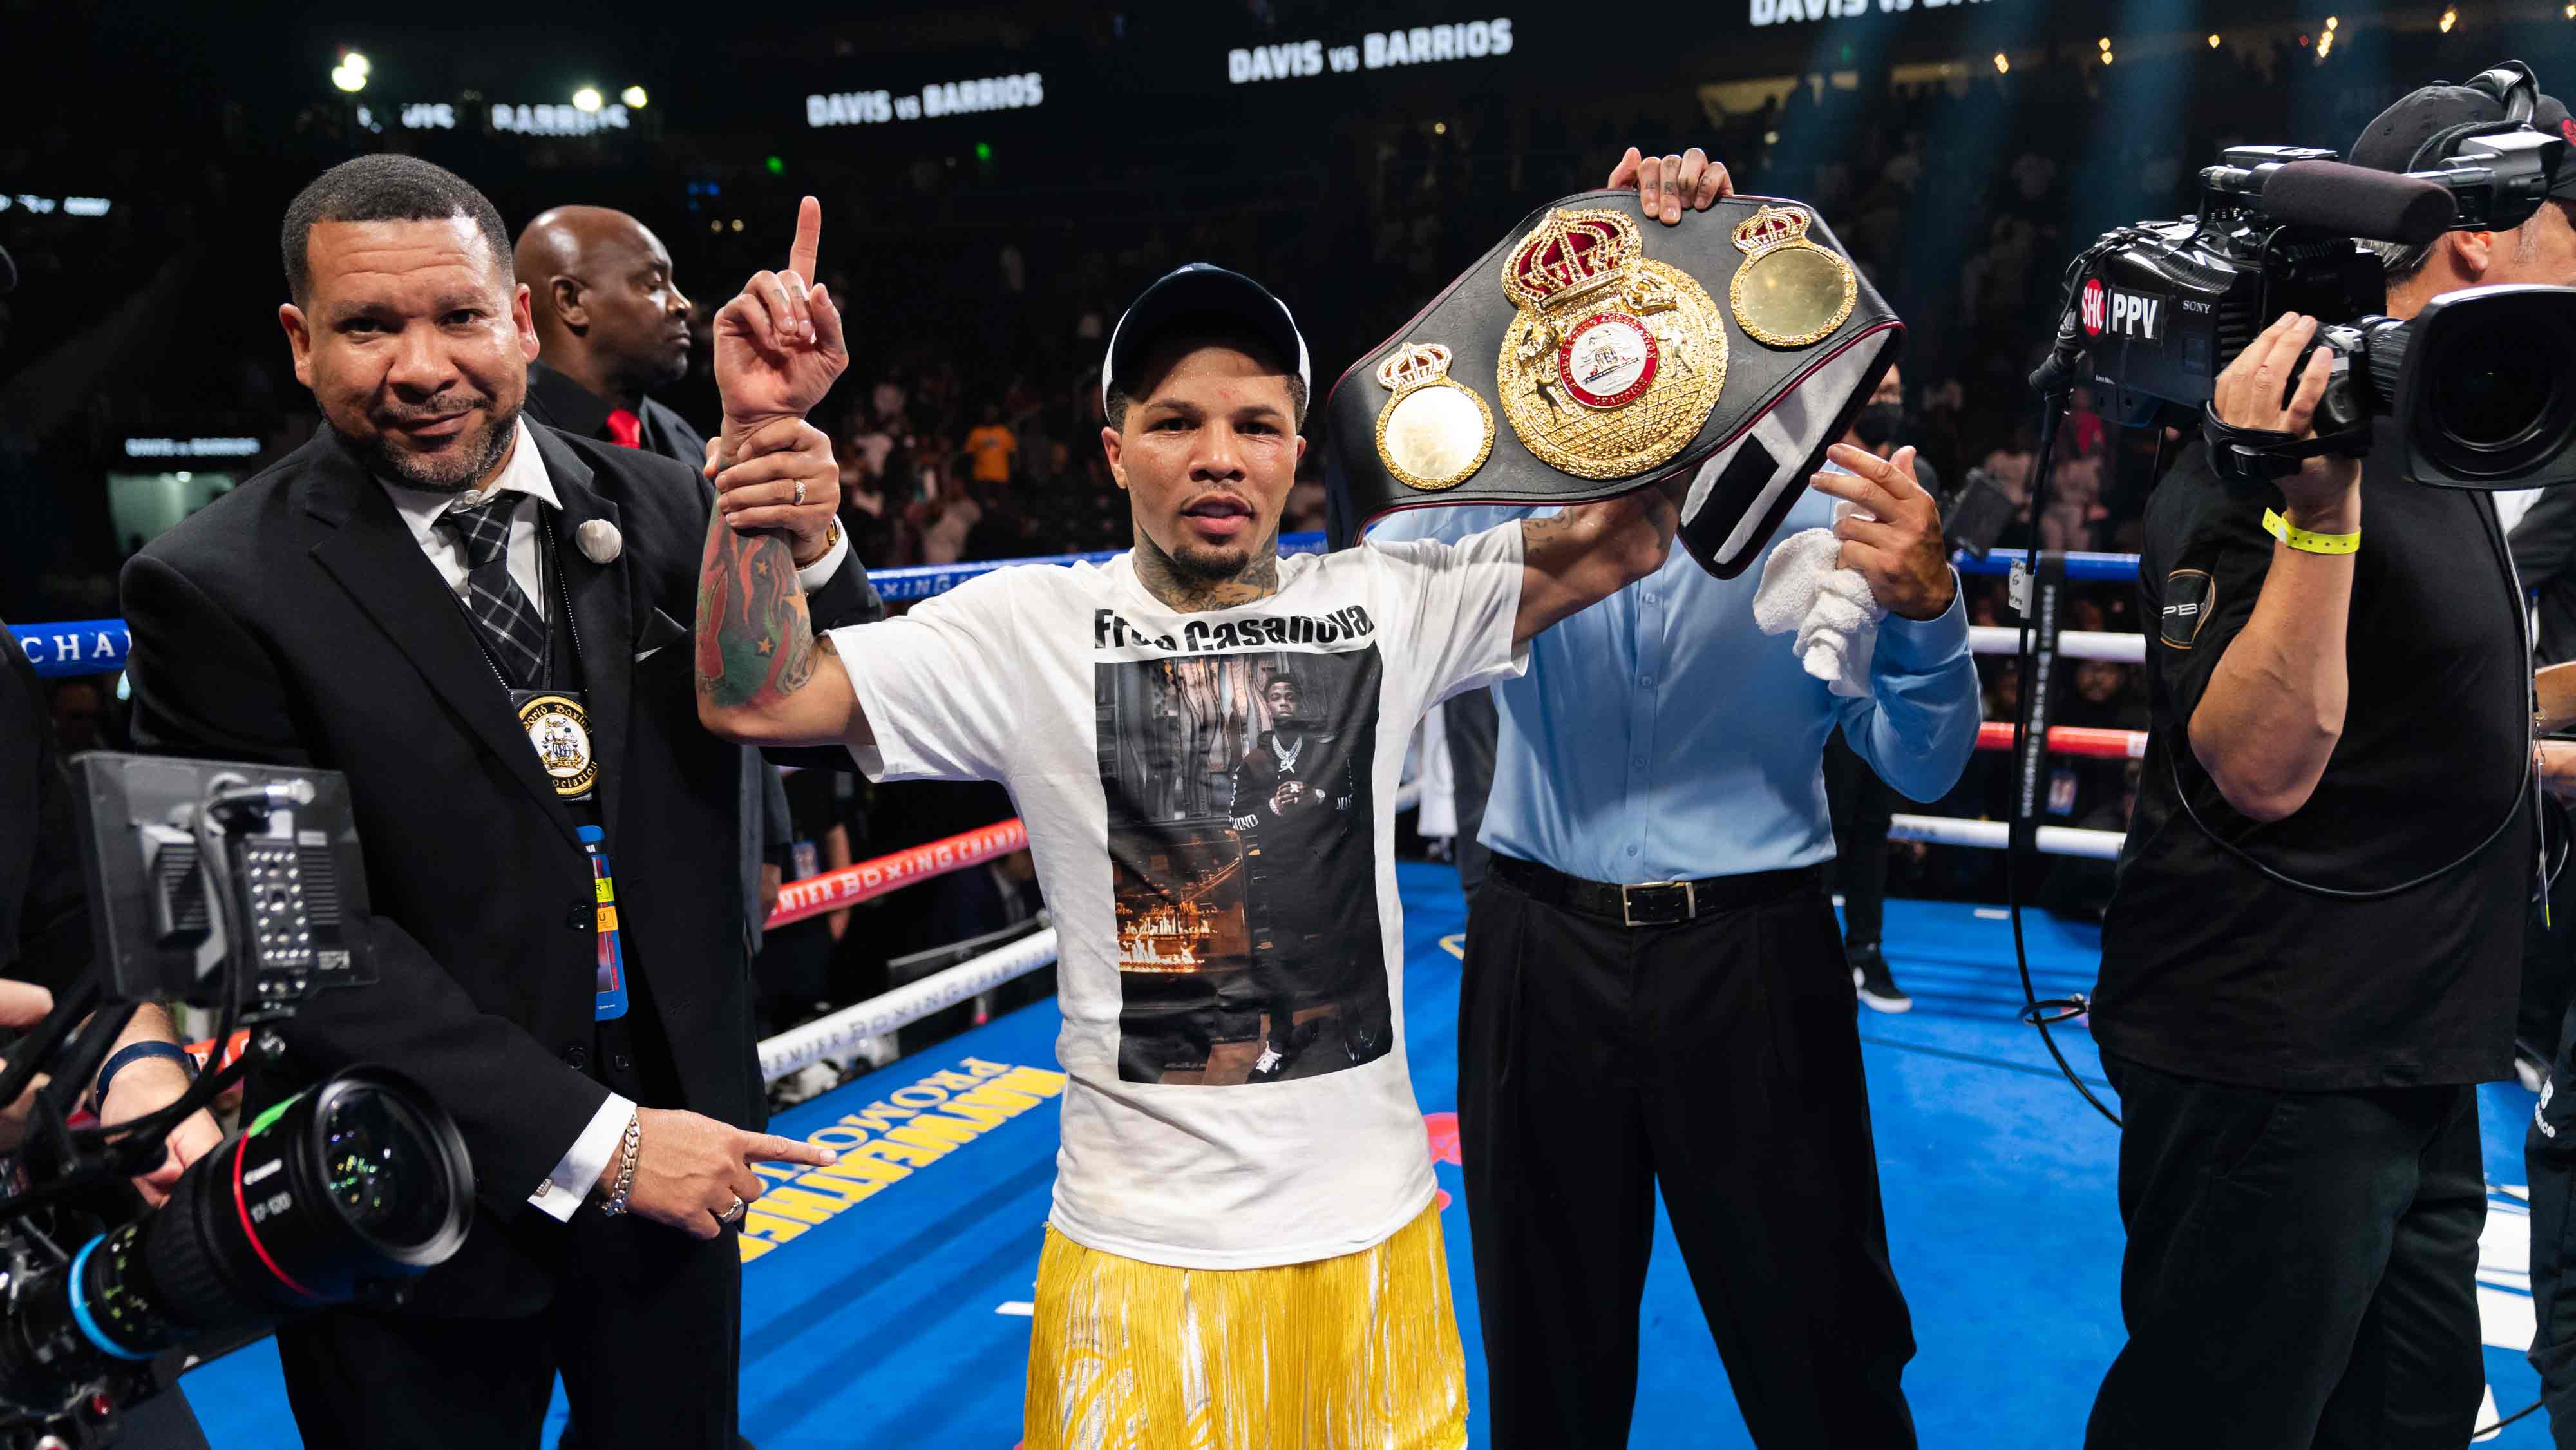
{"points": [[764, 677], [1588, 552]]}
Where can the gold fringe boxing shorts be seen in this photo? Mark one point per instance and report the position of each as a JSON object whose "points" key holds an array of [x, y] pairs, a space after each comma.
{"points": [[1358, 1352]]}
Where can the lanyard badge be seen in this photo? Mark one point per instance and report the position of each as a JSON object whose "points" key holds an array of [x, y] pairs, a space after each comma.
{"points": [[610, 1001]]}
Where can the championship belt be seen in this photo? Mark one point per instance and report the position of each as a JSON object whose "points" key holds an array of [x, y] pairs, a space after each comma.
{"points": [[1596, 334]]}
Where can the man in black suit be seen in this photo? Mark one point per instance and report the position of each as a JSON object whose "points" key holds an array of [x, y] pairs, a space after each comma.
{"points": [[612, 326], [1296, 802], [415, 598]]}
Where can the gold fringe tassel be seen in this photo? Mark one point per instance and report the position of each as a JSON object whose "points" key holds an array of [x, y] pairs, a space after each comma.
{"points": [[1352, 1353]]}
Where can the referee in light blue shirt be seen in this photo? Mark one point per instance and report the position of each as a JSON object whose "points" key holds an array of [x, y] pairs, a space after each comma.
{"points": [[1656, 991]]}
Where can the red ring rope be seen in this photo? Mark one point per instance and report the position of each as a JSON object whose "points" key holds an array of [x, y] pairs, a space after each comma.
{"points": [[2070, 740]]}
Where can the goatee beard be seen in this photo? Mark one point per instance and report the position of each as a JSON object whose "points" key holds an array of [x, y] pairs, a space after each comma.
{"points": [[451, 471]]}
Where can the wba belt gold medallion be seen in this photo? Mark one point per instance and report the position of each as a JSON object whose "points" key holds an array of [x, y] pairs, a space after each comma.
{"points": [[1434, 432], [1789, 292], [1614, 360]]}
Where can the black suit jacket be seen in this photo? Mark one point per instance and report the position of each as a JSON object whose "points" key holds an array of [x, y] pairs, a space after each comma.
{"points": [[297, 620], [555, 400], [2544, 555], [44, 911]]}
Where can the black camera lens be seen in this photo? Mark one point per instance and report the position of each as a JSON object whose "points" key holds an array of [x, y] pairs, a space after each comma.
{"points": [[382, 1167], [2497, 399], [360, 1182]]}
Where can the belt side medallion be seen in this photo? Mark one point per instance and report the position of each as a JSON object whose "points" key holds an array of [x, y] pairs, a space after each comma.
{"points": [[559, 728], [1789, 292], [1435, 432], [1613, 360]]}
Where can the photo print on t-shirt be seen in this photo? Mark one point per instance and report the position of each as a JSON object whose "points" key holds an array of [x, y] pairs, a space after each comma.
{"points": [[1242, 847]]}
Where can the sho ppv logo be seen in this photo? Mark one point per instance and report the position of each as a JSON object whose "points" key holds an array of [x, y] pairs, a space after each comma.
{"points": [[2119, 312]]}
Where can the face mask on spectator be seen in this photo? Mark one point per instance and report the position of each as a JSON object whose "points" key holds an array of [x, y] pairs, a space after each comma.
{"points": [[1878, 423]]}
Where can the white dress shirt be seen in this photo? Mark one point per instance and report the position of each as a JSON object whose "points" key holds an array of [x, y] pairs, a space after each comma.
{"points": [[574, 1177]]}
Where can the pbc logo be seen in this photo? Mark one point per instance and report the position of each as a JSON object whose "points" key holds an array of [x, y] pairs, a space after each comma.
{"points": [[2190, 595], [2108, 309]]}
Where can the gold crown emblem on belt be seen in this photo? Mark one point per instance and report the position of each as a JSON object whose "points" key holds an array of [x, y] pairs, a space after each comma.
{"points": [[1434, 431], [1613, 360], [1789, 292]]}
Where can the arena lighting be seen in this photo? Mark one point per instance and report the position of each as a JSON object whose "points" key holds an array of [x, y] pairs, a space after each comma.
{"points": [[777, 166], [348, 80], [2325, 45], [737, 224], [634, 96], [2332, 21], [1439, 128], [2213, 40], [586, 99], [357, 64], [2003, 66], [2450, 18]]}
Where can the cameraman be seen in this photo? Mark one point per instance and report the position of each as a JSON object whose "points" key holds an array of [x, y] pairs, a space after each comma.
{"points": [[45, 944], [2311, 955]]}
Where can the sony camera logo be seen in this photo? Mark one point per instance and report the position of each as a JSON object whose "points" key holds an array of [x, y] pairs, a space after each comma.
{"points": [[2126, 314]]}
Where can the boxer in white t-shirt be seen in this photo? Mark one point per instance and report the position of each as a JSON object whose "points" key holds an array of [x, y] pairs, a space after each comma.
{"points": [[1242, 1251]]}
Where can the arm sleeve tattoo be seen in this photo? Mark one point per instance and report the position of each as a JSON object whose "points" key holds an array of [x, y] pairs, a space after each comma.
{"points": [[755, 643]]}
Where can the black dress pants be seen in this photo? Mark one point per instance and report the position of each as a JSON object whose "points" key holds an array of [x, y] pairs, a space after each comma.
{"points": [[2549, 1157], [1717, 1057], [2301, 1269], [645, 1329], [1863, 809]]}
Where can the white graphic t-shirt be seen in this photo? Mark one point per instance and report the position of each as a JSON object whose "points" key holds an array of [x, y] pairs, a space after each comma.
{"points": [[1207, 800]]}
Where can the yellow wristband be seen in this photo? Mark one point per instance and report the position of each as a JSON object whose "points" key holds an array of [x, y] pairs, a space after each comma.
{"points": [[2308, 543]]}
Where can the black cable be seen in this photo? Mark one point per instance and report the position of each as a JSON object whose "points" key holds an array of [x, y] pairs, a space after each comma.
{"points": [[2484, 1431], [2037, 1013]]}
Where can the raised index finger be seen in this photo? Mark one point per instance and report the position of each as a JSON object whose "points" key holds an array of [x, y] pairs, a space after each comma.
{"points": [[809, 238]]}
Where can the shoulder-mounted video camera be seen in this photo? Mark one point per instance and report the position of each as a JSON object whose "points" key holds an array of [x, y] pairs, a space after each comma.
{"points": [[2481, 382], [239, 888]]}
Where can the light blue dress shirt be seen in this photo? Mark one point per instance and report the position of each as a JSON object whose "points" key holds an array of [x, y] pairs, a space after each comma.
{"points": [[1660, 735]]}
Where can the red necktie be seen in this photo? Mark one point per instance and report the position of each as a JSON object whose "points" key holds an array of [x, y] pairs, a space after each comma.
{"points": [[625, 429]]}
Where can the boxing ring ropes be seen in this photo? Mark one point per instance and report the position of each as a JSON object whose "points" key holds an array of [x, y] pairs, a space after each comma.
{"points": [[99, 646]]}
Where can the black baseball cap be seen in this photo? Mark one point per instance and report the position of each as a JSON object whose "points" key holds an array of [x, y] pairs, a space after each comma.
{"points": [[1200, 289], [2421, 130]]}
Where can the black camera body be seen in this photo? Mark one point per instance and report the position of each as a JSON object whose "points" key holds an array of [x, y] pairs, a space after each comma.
{"points": [[239, 887], [2482, 382]]}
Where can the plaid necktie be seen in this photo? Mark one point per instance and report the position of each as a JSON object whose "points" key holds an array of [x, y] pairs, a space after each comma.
{"points": [[510, 621]]}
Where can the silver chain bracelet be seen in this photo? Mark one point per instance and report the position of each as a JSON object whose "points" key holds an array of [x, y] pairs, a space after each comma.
{"points": [[628, 1150]]}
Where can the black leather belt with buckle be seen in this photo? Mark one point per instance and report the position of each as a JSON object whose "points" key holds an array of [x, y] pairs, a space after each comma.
{"points": [[1656, 903]]}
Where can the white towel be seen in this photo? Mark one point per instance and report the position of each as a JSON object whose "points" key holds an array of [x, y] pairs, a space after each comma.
{"points": [[1829, 606]]}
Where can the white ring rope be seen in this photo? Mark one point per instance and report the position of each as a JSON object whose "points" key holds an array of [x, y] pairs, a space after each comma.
{"points": [[2073, 644], [843, 1031], [1996, 835]]}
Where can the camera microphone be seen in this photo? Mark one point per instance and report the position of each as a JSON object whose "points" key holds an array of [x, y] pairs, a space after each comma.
{"points": [[2356, 201]]}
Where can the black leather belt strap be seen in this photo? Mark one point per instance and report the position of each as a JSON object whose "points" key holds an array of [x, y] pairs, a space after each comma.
{"points": [[1657, 903]]}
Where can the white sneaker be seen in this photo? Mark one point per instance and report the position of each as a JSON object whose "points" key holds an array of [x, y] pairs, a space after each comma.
{"points": [[1269, 1062]]}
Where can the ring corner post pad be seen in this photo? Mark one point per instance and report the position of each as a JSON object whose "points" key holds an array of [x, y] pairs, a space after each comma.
{"points": [[1594, 351]]}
